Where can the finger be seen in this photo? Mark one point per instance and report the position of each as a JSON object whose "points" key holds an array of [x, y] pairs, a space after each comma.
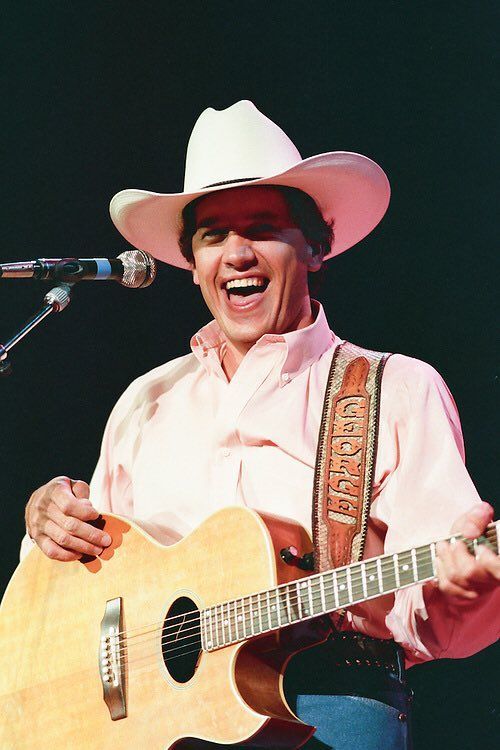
{"points": [[450, 588], [473, 523], [489, 561], [63, 497], [465, 571], [81, 489], [54, 551], [78, 528], [69, 542]]}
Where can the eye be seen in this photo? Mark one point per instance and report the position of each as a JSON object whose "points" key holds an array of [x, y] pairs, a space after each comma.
{"points": [[262, 230], [213, 232]]}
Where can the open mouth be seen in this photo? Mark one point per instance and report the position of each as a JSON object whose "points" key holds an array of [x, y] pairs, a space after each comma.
{"points": [[240, 290]]}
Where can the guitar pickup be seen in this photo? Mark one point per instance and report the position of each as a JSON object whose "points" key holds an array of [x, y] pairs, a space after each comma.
{"points": [[111, 658]]}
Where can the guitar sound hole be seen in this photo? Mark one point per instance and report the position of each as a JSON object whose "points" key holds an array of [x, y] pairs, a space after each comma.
{"points": [[181, 639]]}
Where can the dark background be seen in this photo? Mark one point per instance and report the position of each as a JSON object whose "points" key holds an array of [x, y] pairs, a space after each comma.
{"points": [[102, 96]]}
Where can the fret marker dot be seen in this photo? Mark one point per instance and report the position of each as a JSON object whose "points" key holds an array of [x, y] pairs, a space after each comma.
{"points": [[303, 585], [372, 578], [225, 622], [240, 618], [342, 586], [209, 644], [406, 567], [273, 606]]}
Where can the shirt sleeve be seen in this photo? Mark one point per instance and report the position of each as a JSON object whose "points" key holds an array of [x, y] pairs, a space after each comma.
{"points": [[424, 489], [111, 486]]}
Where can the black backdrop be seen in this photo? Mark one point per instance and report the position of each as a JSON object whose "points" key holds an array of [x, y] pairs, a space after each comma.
{"points": [[103, 96]]}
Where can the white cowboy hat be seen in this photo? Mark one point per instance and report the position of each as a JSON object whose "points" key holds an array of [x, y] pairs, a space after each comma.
{"points": [[241, 146]]}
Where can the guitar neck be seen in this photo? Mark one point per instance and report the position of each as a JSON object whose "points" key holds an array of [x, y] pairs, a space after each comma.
{"points": [[241, 619]]}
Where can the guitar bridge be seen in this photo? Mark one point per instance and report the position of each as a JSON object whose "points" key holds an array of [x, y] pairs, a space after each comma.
{"points": [[111, 660]]}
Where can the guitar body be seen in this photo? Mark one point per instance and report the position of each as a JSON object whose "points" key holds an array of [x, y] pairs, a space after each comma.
{"points": [[51, 693]]}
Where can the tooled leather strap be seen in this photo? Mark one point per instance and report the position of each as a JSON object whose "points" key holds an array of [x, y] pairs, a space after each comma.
{"points": [[345, 459]]}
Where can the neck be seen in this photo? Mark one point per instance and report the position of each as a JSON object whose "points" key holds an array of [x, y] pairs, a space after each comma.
{"points": [[235, 351], [232, 358]]}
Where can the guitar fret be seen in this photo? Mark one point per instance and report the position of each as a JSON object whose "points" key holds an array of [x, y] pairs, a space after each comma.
{"points": [[283, 603], [299, 600], [212, 631], [227, 621], [216, 627], [259, 607], [222, 622], [363, 580], [335, 588], [229, 625], [269, 619], [287, 604], [414, 564], [250, 615], [349, 583], [309, 591], [235, 607], [322, 593], [396, 568], [380, 575], [433, 557], [242, 616], [278, 612]]}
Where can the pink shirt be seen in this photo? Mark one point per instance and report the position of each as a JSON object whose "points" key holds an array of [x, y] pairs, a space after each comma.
{"points": [[183, 442]]}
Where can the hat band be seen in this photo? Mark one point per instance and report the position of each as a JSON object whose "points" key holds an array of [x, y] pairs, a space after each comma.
{"points": [[230, 182]]}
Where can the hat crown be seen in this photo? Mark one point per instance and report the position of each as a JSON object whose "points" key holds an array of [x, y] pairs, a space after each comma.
{"points": [[236, 144]]}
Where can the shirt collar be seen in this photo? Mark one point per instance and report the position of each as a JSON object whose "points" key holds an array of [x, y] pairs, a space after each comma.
{"points": [[302, 347]]}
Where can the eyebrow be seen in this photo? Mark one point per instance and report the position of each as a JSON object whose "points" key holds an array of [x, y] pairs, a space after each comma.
{"points": [[210, 221]]}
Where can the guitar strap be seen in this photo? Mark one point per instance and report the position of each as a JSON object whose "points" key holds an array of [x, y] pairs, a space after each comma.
{"points": [[345, 459]]}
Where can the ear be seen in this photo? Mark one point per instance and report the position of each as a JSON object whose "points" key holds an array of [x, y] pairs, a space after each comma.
{"points": [[315, 258], [195, 275]]}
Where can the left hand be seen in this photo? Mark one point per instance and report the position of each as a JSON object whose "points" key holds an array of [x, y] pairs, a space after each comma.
{"points": [[461, 576]]}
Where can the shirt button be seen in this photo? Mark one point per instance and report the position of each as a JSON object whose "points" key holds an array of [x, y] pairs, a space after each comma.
{"points": [[226, 452], [285, 377]]}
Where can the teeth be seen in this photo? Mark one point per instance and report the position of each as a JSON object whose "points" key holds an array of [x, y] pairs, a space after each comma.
{"points": [[254, 281]]}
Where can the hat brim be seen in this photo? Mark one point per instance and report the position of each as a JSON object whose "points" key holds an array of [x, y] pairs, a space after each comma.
{"points": [[350, 189]]}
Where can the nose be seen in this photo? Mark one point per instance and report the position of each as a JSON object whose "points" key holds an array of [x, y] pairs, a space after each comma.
{"points": [[238, 251]]}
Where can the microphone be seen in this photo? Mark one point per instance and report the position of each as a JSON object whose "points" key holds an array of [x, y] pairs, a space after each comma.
{"points": [[134, 269]]}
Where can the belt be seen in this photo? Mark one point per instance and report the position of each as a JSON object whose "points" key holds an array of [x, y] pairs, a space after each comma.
{"points": [[358, 651], [350, 663]]}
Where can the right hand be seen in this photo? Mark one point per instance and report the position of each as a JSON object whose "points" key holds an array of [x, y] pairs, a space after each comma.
{"points": [[56, 519]]}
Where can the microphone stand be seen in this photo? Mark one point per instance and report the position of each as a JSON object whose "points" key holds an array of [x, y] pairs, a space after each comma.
{"points": [[55, 301]]}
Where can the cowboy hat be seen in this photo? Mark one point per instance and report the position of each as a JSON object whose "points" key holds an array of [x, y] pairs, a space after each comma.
{"points": [[241, 146]]}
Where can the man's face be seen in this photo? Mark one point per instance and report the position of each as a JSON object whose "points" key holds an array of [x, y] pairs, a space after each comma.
{"points": [[251, 262]]}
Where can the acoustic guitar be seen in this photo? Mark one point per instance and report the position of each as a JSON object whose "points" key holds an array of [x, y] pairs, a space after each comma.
{"points": [[175, 647]]}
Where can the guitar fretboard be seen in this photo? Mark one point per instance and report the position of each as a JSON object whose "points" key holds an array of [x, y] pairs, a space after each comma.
{"points": [[240, 619]]}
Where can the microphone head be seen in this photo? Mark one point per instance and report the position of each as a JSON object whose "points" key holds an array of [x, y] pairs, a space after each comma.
{"points": [[139, 269]]}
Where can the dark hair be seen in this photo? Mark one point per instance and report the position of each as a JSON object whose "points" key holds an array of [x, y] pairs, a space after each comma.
{"points": [[303, 210]]}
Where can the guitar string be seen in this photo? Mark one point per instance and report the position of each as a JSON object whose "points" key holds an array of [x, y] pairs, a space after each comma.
{"points": [[488, 536], [292, 600], [357, 589], [185, 649], [285, 603], [231, 622]]}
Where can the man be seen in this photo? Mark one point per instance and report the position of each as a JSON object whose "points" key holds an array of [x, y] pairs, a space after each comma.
{"points": [[236, 421]]}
